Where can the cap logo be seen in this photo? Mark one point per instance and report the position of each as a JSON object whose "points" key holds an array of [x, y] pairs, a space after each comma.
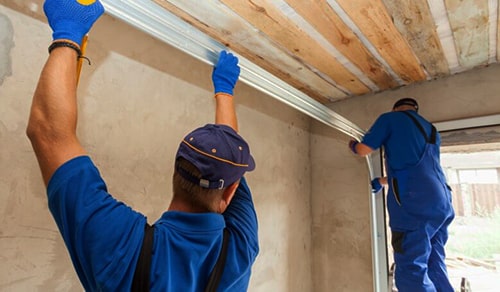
{"points": [[212, 156]]}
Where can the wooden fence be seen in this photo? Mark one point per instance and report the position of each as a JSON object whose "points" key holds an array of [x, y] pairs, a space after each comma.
{"points": [[475, 199]]}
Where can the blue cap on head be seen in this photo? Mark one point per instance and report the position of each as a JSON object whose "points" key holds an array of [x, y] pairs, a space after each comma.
{"points": [[406, 101], [218, 152]]}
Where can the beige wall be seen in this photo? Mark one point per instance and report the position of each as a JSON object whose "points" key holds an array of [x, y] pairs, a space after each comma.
{"points": [[340, 215], [137, 100]]}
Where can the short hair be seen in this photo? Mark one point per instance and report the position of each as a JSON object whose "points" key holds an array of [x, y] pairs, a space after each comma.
{"points": [[199, 198]]}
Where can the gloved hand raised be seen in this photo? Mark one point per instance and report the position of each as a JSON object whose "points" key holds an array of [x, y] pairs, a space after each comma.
{"points": [[376, 185], [72, 19], [225, 73]]}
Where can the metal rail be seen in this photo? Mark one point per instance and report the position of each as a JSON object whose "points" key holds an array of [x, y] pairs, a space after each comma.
{"points": [[153, 19]]}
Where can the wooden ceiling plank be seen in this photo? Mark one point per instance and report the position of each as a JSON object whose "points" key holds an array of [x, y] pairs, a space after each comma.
{"points": [[415, 22], [372, 18], [443, 28], [324, 19], [276, 26], [469, 23], [215, 20]]}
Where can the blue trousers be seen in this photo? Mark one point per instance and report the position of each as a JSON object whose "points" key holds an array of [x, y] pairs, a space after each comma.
{"points": [[420, 211], [420, 258]]}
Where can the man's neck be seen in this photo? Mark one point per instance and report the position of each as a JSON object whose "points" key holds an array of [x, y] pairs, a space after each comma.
{"points": [[181, 206]]}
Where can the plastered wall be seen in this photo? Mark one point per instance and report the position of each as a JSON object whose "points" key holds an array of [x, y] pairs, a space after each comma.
{"points": [[137, 100], [340, 214]]}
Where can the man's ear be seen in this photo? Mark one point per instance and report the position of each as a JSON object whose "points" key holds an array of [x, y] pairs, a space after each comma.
{"points": [[228, 195]]}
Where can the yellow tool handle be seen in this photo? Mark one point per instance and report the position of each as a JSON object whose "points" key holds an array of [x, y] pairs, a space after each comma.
{"points": [[80, 60]]}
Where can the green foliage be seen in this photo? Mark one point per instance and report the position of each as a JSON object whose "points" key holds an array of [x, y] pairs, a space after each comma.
{"points": [[475, 237]]}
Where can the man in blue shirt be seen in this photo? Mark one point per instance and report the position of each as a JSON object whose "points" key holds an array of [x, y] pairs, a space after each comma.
{"points": [[211, 201], [419, 199]]}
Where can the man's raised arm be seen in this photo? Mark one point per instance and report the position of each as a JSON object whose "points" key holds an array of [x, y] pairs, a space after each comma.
{"points": [[224, 77], [53, 118]]}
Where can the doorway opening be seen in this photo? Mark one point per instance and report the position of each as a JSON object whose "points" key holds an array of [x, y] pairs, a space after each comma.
{"points": [[473, 248]]}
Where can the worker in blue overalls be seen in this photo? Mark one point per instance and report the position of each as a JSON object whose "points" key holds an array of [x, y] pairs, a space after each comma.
{"points": [[419, 199]]}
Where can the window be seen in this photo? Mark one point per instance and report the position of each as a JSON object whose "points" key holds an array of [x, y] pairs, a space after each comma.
{"points": [[478, 176]]}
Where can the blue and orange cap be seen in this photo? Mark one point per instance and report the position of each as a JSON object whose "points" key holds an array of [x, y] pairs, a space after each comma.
{"points": [[218, 152]]}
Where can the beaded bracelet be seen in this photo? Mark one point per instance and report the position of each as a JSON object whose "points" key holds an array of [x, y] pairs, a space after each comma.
{"points": [[67, 44]]}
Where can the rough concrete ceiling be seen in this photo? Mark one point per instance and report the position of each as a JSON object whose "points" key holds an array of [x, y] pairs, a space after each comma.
{"points": [[336, 49]]}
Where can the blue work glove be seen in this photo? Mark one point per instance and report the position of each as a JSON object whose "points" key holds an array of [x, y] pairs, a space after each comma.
{"points": [[352, 146], [225, 73], [376, 186], [72, 19]]}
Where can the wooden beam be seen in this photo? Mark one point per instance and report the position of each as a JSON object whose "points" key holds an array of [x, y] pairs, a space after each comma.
{"points": [[371, 17], [324, 19], [484, 135], [276, 26], [414, 21], [223, 25], [469, 23]]}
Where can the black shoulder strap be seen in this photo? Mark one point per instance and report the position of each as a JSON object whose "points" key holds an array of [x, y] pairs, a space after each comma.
{"points": [[141, 276], [432, 138], [216, 274], [142, 270]]}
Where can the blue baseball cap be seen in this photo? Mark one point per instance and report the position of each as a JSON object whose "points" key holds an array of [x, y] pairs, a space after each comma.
{"points": [[218, 152], [406, 101]]}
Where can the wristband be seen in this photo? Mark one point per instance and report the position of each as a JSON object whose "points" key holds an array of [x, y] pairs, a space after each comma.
{"points": [[352, 145], [67, 44]]}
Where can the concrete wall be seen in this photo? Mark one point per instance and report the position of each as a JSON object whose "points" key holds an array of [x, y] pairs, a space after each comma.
{"points": [[137, 101], [340, 214]]}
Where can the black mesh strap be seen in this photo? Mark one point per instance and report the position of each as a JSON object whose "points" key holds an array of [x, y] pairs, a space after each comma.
{"points": [[143, 267], [432, 138], [216, 275]]}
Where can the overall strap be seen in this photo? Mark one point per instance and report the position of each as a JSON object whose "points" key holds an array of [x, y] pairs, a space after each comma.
{"points": [[216, 274], [142, 271], [143, 267], [432, 138]]}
